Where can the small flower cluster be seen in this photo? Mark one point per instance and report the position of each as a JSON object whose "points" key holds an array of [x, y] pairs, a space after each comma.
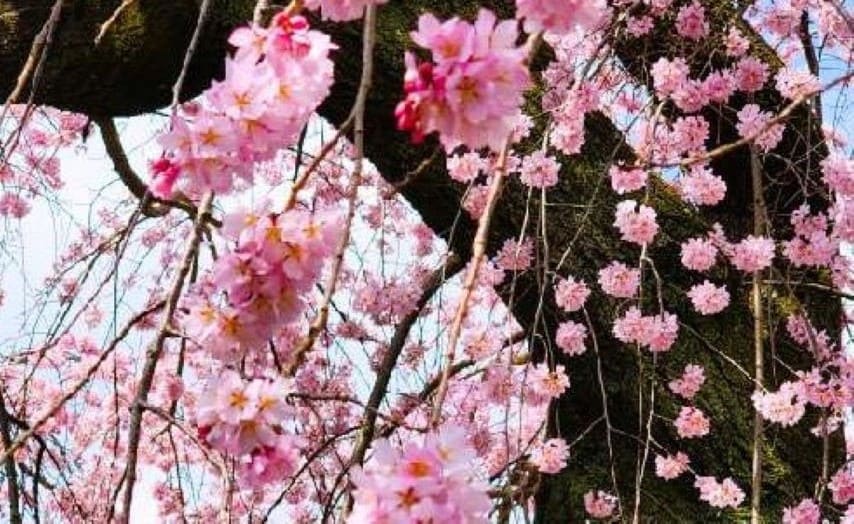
{"points": [[708, 298], [691, 423], [600, 504], [786, 406], [560, 16], [806, 512], [671, 466], [471, 92], [636, 223], [550, 456], [689, 383], [618, 280], [570, 294], [420, 483], [273, 83], [277, 258], [247, 419], [719, 494], [624, 180], [657, 332], [755, 124], [341, 10]]}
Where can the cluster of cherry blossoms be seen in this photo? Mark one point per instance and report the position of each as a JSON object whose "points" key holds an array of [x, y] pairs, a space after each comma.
{"points": [[471, 91], [719, 494], [33, 167], [341, 10], [657, 332], [276, 259], [273, 83], [433, 482], [558, 16], [250, 420]]}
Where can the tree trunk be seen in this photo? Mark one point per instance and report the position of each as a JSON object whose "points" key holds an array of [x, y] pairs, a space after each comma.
{"points": [[132, 71]]}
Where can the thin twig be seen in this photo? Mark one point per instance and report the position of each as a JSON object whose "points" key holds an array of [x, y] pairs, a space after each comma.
{"points": [[204, 9], [48, 414], [9, 465], [478, 254], [112, 20], [319, 323], [153, 357]]}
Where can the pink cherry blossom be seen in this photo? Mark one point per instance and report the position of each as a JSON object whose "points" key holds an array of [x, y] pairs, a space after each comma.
{"points": [[753, 254], [841, 485], [755, 124], [691, 22], [669, 75], [549, 383], [839, 174], [708, 298], [341, 10], [272, 85], [618, 280], [701, 187], [719, 494], [750, 74], [550, 456], [472, 90], [691, 423], [785, 406], [428, 482], [806, 512], [466, 167], [570, 294], [600, 504], [794, 84], [558, 16], [670, 467], [625, 180], [539, 170], [636, 223], [514, 255], [570, 338], [699, 254], [736, 44], [689, 383]]}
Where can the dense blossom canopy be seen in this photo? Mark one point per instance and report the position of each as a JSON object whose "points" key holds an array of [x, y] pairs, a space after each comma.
{"points": [[266, 330]]}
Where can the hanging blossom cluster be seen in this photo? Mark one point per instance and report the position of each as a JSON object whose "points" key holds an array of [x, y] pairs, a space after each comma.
{"points": [[560, 16], [247, 420], [341, 10], [433, 482], [471, 90], [276, 259], [273, 83]]}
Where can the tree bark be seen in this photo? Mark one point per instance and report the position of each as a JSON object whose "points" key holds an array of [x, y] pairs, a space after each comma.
{"points": [[132, 71]]}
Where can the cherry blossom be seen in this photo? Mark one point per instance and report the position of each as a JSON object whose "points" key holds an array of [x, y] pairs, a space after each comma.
{"points": [[671, 466], [471, 92], [618, 280], [600, 504], [430, 481], [571, 294], [719, 494], [570, 338], [708, 298], [550, 456], [560, 16], [691, 423]]}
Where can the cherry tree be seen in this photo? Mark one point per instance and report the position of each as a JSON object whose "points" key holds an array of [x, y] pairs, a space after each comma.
{"points": [[385, 261]]}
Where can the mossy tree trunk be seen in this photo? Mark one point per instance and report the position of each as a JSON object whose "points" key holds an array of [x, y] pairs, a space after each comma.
{"points": [[132, 70]]}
